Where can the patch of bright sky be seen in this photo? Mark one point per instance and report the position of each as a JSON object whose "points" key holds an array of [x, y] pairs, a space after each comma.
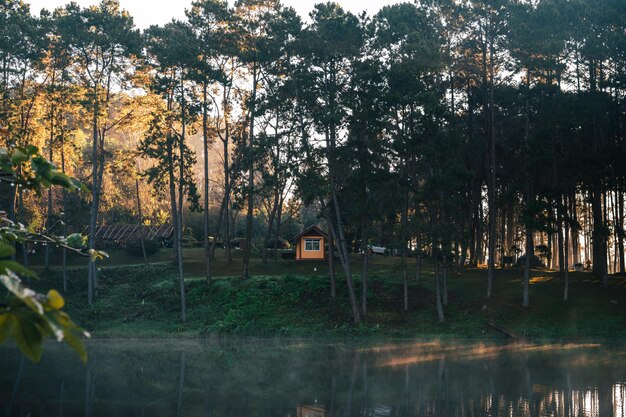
{"points": [[157, 12]]}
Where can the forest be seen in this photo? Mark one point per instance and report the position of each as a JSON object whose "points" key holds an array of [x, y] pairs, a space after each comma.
{"points": [[458, 133]]}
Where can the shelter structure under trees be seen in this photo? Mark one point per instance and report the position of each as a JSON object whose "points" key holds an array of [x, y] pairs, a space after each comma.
{"points": [[120, 235], [310, 244]]}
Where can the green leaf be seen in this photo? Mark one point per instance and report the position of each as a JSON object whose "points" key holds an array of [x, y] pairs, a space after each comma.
{"points": [[25, 295], [97, 254], [6, 250], [28, 338], [6, 322], [18, 156], [76, 344], [17, 268], [76, 241]]}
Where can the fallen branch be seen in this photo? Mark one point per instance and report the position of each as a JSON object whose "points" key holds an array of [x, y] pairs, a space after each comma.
{"points": [[502, 329]]}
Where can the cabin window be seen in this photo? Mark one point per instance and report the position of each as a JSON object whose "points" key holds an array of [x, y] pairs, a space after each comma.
{"points": [[312, 245]]}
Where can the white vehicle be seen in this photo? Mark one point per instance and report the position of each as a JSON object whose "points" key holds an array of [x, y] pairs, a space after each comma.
{"points": [[377, 250]]}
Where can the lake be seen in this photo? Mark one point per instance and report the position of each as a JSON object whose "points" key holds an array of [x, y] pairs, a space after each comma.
{"points": [[316, 378]]}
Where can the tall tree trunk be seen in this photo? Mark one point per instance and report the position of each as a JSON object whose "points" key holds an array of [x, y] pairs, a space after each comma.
{"points": [[140, 220], [599, 260], [345, 263], [440, 314], [93, 217], [445, 280], [176, 220], [270, 226], [205, 152], [418, 258], [64, 266], [20, 213], [559, 225], [405, 272], [331, 259], [492, 181], [181, 196], [510, 230], [566, 254], [530, 248], [474, 245], [340, 239], [550, 252], [445, 250], [250, 200], [462, 257], [605, 241], [620, 234], [364, 277], [279, 220], [49, 209], [575, 234], [480, 234]]}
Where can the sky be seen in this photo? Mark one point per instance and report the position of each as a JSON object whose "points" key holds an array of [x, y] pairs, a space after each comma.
{"points": [[150, 12]]}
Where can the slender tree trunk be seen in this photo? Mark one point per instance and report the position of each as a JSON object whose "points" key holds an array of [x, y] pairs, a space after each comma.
{"points": [[492, 181], [250, 200], [64, 267], [331, 259], [270, 226], [205, 152], [140, 220], [20, 205], [502, 236], [418, 258], [530, 249], [445, 281], [575, 234], [561, 251], [49, 213], [480, 234], [405, 272], [620, 232], [599, 260], [440, 314], [476, 231], [445, 249], [615, 230], [566, 254], [93, 218], [605, 242], [550, 252], [279, 219], [364, 275], [176, 220], [345, 262], [463, 256], [181, 194], [339, 237]]}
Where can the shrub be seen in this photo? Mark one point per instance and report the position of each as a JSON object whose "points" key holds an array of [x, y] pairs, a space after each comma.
{"points": [[288, 255], [134, 247]]}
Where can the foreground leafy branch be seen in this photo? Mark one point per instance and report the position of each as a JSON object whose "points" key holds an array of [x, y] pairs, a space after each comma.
{"points": [[26, 316]]}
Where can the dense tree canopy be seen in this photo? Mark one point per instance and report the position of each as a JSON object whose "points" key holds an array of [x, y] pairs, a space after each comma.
{"points": [[466, 132]]}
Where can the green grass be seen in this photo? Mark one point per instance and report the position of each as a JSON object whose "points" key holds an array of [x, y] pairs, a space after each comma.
{"points": [[291, 298]]}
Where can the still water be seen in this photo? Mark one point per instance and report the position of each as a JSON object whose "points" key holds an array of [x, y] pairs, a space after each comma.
{"points": [[305, 378]]}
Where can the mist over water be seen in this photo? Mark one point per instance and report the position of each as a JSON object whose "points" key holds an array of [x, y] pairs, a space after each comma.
{"points": [[317, 378]]}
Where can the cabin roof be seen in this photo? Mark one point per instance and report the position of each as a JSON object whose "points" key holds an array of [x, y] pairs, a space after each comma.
{"points": [[125, 232], [310, 231]]}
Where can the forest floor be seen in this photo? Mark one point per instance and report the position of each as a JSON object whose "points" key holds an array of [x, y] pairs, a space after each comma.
{"points": [[291, 298]]}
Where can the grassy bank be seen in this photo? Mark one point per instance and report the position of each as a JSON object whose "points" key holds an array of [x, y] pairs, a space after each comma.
{"points": [[291, 298]]}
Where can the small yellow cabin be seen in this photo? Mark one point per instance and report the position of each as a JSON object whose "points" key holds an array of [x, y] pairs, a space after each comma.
{"points": [[310, 244]]}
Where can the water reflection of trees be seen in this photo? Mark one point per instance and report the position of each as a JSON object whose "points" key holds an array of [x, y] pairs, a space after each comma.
{"points": [[320, 380]]}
